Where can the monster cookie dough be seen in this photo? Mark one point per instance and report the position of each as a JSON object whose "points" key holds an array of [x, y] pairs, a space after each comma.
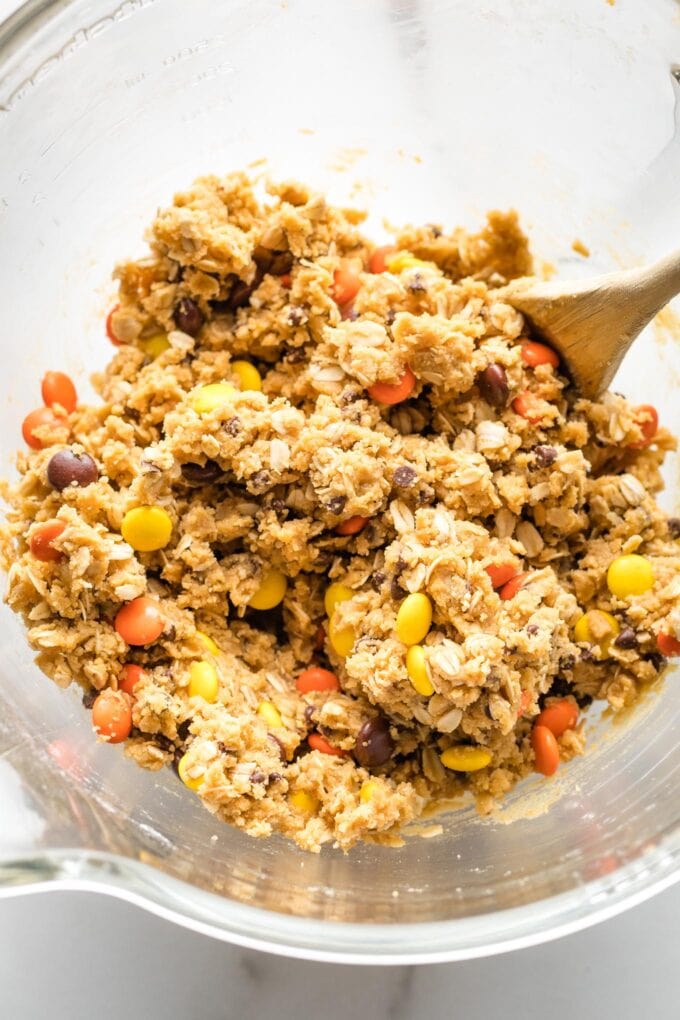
{"points": [[339, 543]]}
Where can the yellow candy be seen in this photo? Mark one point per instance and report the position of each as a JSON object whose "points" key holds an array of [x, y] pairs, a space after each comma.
{"points": [[208, 398], [403, 260], [304, 803], [208, 642], [335, 593], [155, 345], [416, 667], [465, 759], [203, 682], [271, 715], [271, 591], [248, 376], [414, 618], [193, 782], [341, 638], [367, 791], [630, 575], [147, 528], [597, 628]]}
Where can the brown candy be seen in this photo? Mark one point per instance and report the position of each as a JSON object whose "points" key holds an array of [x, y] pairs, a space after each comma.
{"points": [[493, 385], [68, 468], [374, 744], [188, 317]]}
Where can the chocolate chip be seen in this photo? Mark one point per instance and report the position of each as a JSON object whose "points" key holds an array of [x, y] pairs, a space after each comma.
{"points": [[545, 455], [532, 629], [493, 385], [656, 660], [183, 729], [567, 662], [626, 639], [349, 313], [68, 468], [374, 744], [309, 713], [296, 315], [89, 698], [281, 263], [201, 474], [279, 746], [378, 578], [426, 495], [188, 317], [560, 687], [232, 426], [295, 355], [258, 482], [274, 777], [257, 777], [674, 527], [405, 476], [336, 504], [396, 590]]}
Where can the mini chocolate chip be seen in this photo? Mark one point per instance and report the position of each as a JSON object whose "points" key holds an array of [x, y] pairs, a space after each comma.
{"points": [[68, 468], [278, 506], [426, 495], [349, 313], [560, 687], [281, 263], [532, 629], [274, 777], [587, 655], [390, 316], [336, 504], [493, 385], [89, 698], [188, 317], [545, 455], [183, 729], [309, 713], [378, 578], [262, 257], [350, 397], [374, 744], [281, 749], [626, 639], [396, 590], [296, 315], [257, 777], [674, 527], [567, 662], [201, 474], [295, 355], [656, 660], [232, 426], [404, 476], [258, 482], [222, 747]]}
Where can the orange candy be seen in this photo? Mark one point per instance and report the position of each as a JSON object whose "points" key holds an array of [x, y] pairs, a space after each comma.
{"points": [[58, 388], [112, 716], [647, 418], [500, 573], [534, 354], [377, 260], [668, 645], [42, 537], [352, 526], [546, 750], [526, 406], [346, 284], [560, 716], [317, 679], [140, 622], [510, 589], [388, 393], [129, 677], [34, 420], [109, 326], [319, 743]]}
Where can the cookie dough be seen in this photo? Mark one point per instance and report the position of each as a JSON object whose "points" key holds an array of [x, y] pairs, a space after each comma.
{"points": [[338, 530]]}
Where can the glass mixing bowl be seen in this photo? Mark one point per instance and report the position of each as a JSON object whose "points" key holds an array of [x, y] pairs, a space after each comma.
{"points": [[424, 110]]}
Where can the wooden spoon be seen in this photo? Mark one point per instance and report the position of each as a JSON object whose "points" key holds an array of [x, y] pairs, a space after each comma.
{"points": [[592, 323]]}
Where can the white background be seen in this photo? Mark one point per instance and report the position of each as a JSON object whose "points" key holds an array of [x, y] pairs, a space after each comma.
{"points": [[72, 956]]}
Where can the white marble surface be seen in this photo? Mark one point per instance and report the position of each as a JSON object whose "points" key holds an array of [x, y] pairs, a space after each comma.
{"points": [[79, 956]]}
